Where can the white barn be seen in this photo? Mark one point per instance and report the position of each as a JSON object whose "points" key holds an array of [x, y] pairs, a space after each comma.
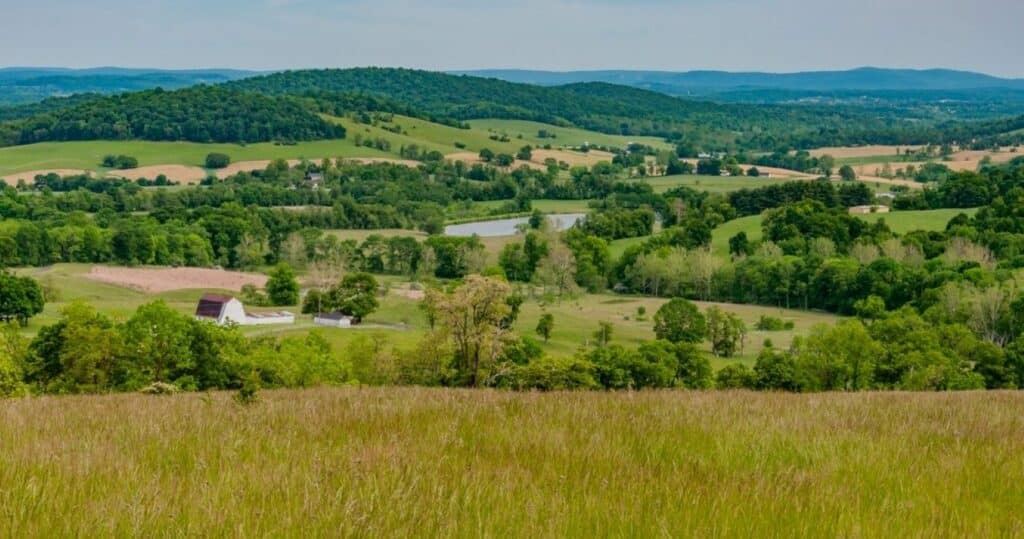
{"points": [[225, 310], [333, 320]]}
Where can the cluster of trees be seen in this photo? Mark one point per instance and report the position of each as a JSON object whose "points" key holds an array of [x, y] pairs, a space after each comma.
{"points": [[85, 351], [198, 114], [902, 350], [121, 162]]}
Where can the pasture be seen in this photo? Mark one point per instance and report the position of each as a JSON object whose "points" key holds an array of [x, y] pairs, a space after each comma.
{"points": [[400, 321], [470, 463]]}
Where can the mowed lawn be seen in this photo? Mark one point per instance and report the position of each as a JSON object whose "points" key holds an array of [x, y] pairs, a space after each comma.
{"points": [[401, 462]]}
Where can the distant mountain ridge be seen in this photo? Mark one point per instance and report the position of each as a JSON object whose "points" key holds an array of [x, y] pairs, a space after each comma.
{"points": [[709, 82], [20, 85]]}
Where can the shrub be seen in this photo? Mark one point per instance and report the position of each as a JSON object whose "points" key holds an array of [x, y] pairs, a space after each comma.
{"points": [[771, 323], [217, 160]]}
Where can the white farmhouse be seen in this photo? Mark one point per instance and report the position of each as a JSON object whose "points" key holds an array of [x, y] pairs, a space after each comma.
{"points": [[225, 310]]}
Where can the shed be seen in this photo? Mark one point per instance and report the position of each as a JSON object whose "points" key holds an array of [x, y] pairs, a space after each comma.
{"points": [[865, 210], [334, 320]]}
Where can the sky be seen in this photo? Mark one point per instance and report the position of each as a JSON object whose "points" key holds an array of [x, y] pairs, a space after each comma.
{"points": [[674, 35]]}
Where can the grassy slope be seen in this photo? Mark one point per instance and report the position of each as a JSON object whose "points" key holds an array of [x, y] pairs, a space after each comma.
{"points": [[564, 136], [902, 222], [465, 463], [88, 154]]}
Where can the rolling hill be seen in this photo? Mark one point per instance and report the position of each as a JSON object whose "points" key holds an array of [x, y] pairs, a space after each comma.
{"points": [[598, 106]]}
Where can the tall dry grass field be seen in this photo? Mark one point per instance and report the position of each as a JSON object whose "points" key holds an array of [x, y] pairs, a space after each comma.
{"points": [[419, 462]]}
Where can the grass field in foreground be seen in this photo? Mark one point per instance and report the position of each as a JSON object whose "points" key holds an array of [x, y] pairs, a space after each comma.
{"points": [[464, 463]]}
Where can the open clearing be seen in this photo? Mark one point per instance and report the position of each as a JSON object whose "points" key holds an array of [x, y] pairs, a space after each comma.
{"points": [[902, 222], [458, 463], [525, 132], [169, 279]]}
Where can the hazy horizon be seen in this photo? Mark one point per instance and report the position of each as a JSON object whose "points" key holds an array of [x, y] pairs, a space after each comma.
{"points": [[560, 35]]}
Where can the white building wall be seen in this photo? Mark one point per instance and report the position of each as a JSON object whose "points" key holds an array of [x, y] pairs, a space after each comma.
{"points": [[233, 311]]}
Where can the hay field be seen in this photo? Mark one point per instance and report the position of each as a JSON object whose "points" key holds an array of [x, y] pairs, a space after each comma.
{"points": [[30, 175], [155, 280], [400, 462], [180, 173]]}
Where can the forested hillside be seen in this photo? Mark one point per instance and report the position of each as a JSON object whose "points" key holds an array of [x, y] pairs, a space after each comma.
{"points": [[200, 114], [611, 108]]}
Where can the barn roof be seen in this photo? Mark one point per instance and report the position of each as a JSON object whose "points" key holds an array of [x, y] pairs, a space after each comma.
{"points": [[211, 305]]}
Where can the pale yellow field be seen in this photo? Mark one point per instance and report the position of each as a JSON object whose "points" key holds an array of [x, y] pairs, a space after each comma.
{"points": [[30, 175], [179, 173], [860, 151]]}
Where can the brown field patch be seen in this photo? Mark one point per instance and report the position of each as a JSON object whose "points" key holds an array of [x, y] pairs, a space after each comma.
{"points": [[179, 173], [860, 151], [966, 160], [471, 158], [156, 280], [587, 159], [30, 175]]}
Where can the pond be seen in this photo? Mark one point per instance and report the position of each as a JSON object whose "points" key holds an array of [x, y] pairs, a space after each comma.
{"points": [[510, 227]]}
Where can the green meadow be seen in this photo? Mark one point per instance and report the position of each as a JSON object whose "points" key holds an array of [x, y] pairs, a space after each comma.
{"points": [[414, 462]]}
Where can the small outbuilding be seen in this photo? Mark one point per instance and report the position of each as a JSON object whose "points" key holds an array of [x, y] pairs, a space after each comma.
{"points": [[333, 320], [865, 210]]}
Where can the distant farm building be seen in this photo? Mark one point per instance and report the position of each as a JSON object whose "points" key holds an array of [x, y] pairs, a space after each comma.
{"points": [[333, 320], [224, 310], [865, 210]]}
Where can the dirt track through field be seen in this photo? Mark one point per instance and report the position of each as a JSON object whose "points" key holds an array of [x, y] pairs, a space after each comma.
{"points": [[156, 280]]}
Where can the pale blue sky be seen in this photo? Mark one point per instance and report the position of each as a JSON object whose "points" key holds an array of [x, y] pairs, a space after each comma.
{"points": [[779, 35]]}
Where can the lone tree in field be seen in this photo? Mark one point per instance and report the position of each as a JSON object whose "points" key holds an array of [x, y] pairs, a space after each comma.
{"points": [[471, 318], [545, 324], [678, 321], [21, 298], [725, 331], [486, 155], [282, 287], [847, 173], [355, 295]]}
